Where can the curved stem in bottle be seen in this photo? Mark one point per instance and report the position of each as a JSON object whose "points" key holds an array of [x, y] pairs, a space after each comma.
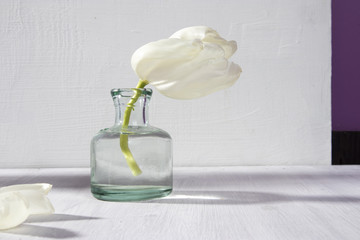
{"points": [[124, 140]]}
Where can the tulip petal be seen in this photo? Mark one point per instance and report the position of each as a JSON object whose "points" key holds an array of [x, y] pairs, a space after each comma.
{"points": [[42, 187], [13, 210], [208, 35], [153, 57], [17, 202]]}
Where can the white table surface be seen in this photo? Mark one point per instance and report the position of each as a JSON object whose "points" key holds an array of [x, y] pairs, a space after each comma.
{"points": [[321, 202]]}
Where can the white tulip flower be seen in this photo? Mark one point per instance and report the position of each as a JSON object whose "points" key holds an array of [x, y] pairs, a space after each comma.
{"points": [[17, 202], [192, 63]]}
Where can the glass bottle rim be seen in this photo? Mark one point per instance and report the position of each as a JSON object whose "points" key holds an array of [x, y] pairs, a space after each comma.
{"points": [[129, 92]]}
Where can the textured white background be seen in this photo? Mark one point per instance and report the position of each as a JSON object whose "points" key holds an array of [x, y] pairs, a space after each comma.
{"points": [[59, 60]]}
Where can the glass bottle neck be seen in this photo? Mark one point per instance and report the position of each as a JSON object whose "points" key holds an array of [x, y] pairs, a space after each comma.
{"points": [[139, 110]]}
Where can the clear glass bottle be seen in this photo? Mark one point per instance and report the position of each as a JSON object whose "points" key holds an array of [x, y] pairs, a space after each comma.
{"points": [[151, 147]]}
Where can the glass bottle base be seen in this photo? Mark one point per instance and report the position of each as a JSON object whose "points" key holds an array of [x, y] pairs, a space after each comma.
{"points": [[116, 193]]}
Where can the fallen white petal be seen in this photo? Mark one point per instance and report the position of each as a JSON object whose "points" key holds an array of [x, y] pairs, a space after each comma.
{"points": [[13, 210], [17, 202], [42, 187]]}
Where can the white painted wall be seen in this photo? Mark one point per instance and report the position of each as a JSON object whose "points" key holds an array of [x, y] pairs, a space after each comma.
{"points": [[59, 60]]}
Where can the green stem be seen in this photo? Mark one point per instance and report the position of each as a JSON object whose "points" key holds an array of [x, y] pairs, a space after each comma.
{"points": [[124, 140]]}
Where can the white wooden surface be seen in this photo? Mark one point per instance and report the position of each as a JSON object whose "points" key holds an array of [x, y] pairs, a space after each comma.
{"points": [[59, 59], [207, 203]]}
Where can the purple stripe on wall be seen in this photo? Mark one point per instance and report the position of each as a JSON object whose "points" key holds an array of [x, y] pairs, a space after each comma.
{"points": [[346, 65]]}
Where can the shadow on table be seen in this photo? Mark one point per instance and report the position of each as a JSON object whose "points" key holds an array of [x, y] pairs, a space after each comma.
{"points": [[286, 177], [216, 187], [28, 229], [57, 218], [243, 197], [41, 231]]}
